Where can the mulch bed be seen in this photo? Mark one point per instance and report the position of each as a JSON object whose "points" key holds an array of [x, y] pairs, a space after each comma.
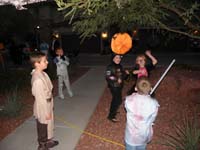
{"points": [[177, 94], [7, 125]]}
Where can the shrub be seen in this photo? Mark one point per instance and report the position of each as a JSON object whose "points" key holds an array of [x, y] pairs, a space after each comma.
{"points": [[12, 106], [14, 78], [185, 136]]}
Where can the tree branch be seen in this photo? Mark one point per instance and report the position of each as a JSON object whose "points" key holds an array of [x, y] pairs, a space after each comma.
{"points": [[180, 15], [195, 16], [165, 27]]}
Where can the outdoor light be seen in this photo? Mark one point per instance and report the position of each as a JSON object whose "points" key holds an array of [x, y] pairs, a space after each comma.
{"points": [[134, 32], [196, 32], [104, 35], [38, 27]]}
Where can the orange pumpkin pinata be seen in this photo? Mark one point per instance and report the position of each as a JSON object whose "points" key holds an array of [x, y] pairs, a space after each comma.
{"points": [[121, 43]]}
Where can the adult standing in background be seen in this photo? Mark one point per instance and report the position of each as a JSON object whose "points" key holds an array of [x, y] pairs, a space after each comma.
{"points": [[56, 43]]}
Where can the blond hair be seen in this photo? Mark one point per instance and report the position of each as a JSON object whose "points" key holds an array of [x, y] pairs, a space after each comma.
{"points": [[36, 57], [140, 56], [143, 85]]}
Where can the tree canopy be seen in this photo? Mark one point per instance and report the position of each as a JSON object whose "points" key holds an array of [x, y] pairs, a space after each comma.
{"points": [[89, 17]]}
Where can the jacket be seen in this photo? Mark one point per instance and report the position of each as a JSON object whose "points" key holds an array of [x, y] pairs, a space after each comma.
{"points": [[113, 73], [141, 113]]}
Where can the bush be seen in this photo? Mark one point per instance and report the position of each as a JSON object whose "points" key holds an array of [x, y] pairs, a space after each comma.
{"points": [[13, 106], [14, 78], [184, 136]]}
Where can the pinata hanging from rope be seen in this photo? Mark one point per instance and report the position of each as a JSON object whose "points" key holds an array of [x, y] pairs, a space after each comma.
{"points": [[121, 43]]}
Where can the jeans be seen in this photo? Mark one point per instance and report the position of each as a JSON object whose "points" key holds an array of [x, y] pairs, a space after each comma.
{"points": [[130, 147]]}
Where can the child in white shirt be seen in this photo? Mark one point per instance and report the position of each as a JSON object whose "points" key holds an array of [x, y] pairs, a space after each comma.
{"points": [[141, 113], [62, 62]]}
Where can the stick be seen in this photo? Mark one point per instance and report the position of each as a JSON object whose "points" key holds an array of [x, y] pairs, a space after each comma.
{"points": [[173, 61]]}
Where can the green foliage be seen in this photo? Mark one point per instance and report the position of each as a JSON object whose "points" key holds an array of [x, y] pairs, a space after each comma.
{"points": [[89, 17], [185, 136], [12, 105]]}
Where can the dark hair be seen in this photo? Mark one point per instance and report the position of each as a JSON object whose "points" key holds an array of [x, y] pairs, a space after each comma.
{"points": [[36, 57], [113, 56]]}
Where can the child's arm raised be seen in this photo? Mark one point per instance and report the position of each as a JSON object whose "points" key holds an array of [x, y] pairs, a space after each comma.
{"points": [[153, 59]]}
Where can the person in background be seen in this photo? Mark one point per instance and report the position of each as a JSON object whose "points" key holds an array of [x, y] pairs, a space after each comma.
{"points": [[62, 62], [44, 47], [56, 43]]}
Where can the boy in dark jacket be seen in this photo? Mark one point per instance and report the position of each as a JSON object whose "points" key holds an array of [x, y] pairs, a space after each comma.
{"points": [[114, 77]]}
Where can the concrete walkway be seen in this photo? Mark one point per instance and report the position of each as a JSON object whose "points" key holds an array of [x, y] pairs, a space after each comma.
{"points": [[76, 111]]}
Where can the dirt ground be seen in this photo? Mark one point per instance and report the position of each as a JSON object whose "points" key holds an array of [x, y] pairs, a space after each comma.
{"points": [[177, 94]]}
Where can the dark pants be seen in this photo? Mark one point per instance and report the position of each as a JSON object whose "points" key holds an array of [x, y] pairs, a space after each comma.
{"points": [[116, 101], [42, 132]]}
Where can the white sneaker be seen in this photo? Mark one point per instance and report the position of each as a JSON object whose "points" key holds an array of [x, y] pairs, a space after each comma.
{"points": [[71, 94], [61, 96]]}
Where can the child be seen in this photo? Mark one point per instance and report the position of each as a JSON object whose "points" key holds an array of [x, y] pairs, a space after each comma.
{"points": [[44, 47], [43, 104], [114, 77], [141, 113], [142, 68], [62, 62]]}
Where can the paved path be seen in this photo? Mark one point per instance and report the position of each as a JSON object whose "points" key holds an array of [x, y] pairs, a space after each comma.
{"points": [[76, 110]]}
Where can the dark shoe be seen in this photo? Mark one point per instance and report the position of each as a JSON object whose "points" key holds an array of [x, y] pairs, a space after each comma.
{"points": [[51, 143], [42, 147]]}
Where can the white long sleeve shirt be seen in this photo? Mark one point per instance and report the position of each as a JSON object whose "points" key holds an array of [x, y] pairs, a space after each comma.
{"points": [[62, 65], [141, 113]]}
